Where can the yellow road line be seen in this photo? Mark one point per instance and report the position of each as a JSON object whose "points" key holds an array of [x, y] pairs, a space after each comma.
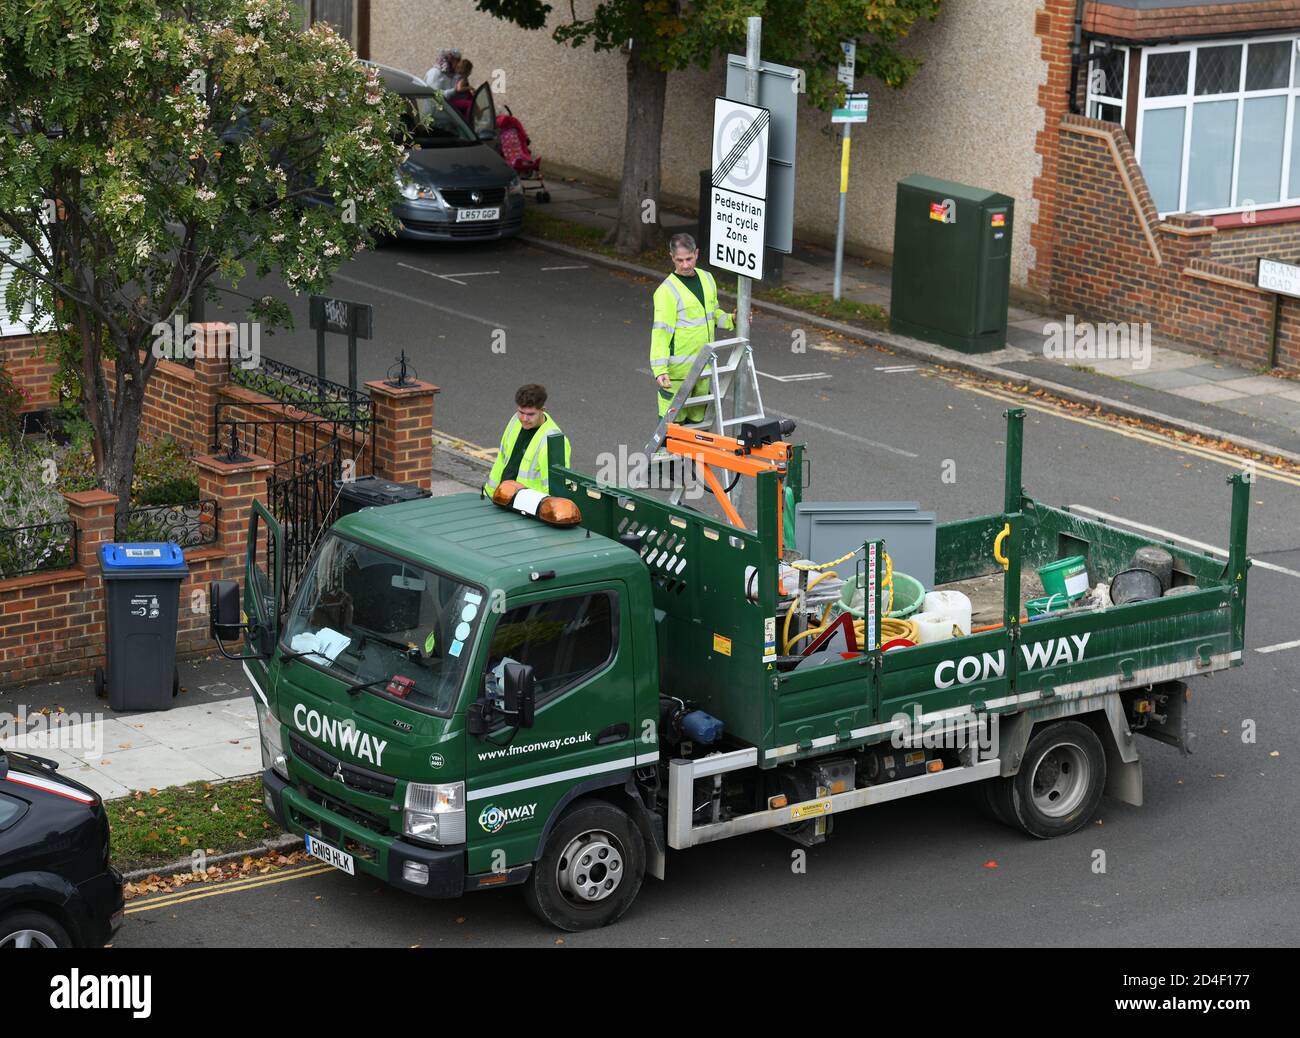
{"points": [[1233, 461], [233, 887]]}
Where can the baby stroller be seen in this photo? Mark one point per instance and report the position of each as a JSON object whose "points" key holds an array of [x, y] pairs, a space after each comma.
{"points": [[514, 148]]}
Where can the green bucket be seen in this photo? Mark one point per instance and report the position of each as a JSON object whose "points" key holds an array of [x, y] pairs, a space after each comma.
{"points": [[1066, 577], [909, 593]]}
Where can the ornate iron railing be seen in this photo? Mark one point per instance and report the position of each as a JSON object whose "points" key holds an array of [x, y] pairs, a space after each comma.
{"points": [[191, 525], [284, 439], [303, 391], [34, 549]]}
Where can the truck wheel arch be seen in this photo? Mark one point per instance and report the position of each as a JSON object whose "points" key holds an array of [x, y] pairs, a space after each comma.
{"points": [[619, 789], [1107, 719]]}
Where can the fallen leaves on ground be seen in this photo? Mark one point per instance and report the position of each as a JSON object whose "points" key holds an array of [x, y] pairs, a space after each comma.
{"points": [[243, 868]]}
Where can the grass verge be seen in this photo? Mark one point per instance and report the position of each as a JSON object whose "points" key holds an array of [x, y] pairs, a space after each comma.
{"points": [[154, 828]]}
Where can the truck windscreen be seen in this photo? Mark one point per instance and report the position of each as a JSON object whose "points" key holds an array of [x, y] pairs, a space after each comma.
{"points": [[366, 616]]}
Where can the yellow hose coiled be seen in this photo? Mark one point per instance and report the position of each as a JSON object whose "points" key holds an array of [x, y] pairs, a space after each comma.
{"points": [[890, 627]]}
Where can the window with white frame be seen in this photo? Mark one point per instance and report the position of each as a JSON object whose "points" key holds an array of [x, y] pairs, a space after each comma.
{"points": [[1217, 125], [1107, 82]]}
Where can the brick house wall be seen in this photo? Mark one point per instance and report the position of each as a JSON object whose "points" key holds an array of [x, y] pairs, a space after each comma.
{"points": [[1115, 260]]}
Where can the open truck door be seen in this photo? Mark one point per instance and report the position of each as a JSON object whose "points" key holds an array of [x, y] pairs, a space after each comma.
{"points": [[258, 621]]}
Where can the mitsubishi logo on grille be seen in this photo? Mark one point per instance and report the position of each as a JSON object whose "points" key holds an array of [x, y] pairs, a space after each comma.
{"points": [[476, 196]]}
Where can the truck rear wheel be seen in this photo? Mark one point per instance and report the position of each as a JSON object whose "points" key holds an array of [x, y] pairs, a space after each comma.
{"points": [[1059, 784], [591, 870]]}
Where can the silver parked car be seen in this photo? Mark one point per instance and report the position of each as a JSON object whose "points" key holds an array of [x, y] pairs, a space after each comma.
{"points": [[455, 185]]}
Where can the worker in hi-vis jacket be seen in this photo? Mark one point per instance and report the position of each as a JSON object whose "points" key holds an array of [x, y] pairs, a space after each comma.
{"points": [[686, 314]]}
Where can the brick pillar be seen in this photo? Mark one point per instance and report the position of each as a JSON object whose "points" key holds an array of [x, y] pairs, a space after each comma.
{"points": [[211, 373], [404, 431], [234, 486], [92, 512]]}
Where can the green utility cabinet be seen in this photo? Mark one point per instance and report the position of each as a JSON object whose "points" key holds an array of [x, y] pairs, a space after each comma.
{"points": [[952, 264]]}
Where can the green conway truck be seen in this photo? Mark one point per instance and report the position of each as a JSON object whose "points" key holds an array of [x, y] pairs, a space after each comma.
{"points": [[459, 697]]}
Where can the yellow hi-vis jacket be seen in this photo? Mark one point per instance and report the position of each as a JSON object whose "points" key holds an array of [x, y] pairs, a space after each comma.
{"points": [[681, 326], [533, 465]]}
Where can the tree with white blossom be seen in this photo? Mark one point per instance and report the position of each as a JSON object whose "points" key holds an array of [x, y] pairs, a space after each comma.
{"points": [[147, 146]]}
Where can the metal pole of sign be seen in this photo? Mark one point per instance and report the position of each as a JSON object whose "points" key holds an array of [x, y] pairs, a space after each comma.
{"points": [[839, 227], [352, 351], [744, 286], [320, 359]]}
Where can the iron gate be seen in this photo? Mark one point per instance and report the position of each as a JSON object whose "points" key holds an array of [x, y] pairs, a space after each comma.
{"points": [[318, 433], [302, 495]]}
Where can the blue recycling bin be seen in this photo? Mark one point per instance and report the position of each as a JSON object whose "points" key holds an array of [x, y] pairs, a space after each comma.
{"points": [[142, 585]]}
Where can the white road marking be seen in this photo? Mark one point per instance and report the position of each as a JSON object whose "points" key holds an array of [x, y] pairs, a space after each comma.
{"points": [[449, 277], [896, 368], [847, 435], [421, 302], [806, 377], [571, 266], [1278, 648], [1199, 545]]}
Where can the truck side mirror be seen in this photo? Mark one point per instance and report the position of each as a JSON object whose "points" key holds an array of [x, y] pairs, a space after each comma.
{"points": [[520, 692], [223, 610]]}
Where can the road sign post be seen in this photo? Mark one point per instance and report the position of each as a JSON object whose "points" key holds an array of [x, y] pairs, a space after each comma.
{"points": [[355, 320], [855, 105], [1282, 279]]}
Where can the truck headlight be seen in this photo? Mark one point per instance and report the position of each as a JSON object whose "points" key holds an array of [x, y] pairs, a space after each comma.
{"points": [[516, 188], [268, 730], [435, 813]]}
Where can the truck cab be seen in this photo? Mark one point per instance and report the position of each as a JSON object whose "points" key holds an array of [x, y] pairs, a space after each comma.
{"points": [[445, 681]]}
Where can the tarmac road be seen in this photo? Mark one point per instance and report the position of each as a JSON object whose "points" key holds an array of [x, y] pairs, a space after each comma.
{"points": [[1208, 860]]}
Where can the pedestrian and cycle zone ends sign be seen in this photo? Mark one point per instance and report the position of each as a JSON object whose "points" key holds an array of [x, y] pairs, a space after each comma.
{"points": [[738, 206]]}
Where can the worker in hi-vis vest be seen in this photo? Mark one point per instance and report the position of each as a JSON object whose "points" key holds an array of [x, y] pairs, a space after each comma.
{"points": [[686, 314], [523, 453]]}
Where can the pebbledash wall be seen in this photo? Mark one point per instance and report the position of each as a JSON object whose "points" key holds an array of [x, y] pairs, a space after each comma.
{"points": [[1116, 260], [52, 623], [948, 122]]}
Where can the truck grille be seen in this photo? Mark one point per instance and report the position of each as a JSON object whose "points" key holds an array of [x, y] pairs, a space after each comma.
{"points": [[372, 822], [327, 764], [460, 196]]}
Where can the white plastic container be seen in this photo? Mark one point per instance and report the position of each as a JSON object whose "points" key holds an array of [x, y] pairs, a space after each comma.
{"points": [[952, 604], [932, 627]]}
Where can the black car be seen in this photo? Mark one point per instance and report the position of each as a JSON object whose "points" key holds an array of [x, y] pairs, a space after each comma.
{"points": [[57, 888], [455, 185]]}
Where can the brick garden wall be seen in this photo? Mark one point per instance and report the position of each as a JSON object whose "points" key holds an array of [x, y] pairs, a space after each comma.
{"points": [[1115, 260], [23, 356], [52, 623], [1240, 245]]}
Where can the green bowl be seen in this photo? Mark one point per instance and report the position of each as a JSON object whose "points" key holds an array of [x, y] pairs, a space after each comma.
{"points": [[909, 593], [1048, 604]]}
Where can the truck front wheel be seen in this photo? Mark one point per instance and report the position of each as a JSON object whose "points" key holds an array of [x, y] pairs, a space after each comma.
{"points": [[1060, 781], [590, 871]]}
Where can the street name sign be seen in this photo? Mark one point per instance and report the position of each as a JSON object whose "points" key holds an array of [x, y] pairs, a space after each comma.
{"points": [[1282, 278]]}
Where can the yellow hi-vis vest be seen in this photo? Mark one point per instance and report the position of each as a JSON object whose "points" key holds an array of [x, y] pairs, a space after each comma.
{"points": [[533, 465], [681, 326]]}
